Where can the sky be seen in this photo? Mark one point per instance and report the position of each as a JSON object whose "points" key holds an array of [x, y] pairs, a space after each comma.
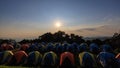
{"points": [[21, 19]]}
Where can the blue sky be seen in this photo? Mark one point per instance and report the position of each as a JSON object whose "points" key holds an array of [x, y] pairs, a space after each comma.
{"points": [[31, 18]]}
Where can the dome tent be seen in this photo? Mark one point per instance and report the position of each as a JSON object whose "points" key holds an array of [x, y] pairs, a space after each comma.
{"points": [[1, 55], [19, 58], [94, 48], [118, 56], [49, 47], [70, 48], [67, 60], [7, 56], [34, 58], [41, 48], [59, 49], [118, 59], [24, 47], [49, 59], [3, 46], [107, 60], [107, 48], [9, 47], [75, 45], [32, 47], [87, 60], [65, 45], [82, 47], [6, 46]]}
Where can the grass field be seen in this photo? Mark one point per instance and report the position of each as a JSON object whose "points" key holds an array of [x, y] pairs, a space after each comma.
{"points": [[3, 66]]}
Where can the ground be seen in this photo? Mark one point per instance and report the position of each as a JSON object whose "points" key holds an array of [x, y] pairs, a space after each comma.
{"points": [[3, 66]]}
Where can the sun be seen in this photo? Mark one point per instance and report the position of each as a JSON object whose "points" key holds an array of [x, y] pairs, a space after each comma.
{"points": [[58, 24]]}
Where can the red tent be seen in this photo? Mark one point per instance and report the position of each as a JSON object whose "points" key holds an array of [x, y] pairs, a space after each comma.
{"points": [[68, 55], [20, 57], [9, 47], [118, 56], [24, 47]]}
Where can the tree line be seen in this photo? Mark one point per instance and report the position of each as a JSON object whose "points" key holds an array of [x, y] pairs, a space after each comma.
{"points": [[62, 37]]}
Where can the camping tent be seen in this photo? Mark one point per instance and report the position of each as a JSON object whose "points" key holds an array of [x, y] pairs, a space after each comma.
{"points": [[49, 59], [7, 56], [107, 60], [94, 48], [34, 58], [87, 60], [67, 60], [20, 58]]}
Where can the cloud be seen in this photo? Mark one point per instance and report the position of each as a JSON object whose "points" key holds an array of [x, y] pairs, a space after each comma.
{"points": [[104, 30], [86, 29], [91, 28]]}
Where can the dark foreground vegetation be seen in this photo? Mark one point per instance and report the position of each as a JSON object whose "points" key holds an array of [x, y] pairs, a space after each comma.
{"points": [[61, 50]]}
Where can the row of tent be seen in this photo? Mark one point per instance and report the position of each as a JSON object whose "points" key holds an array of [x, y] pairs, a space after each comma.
{"points": [[58, 48], [66, 59], [62, 55]]}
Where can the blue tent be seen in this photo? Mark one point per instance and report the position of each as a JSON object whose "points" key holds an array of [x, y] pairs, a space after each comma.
{"points": [[65, 45], [50, 47], [1, 56], [94, 48], [74, 45], [32, 47], [107, 48], [59, 49], [70, 48], [43, 43], [82, 47], [87, 60], [41, 48], [107, 60]]}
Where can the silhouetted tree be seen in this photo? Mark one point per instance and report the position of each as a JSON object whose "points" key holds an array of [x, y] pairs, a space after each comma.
{"points": [[47, 37], [61, 37], [115, 41], [25, 41], [97, 41]]}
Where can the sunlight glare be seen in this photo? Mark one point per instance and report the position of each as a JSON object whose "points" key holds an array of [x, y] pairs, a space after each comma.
{"points": [[58, 24]]}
